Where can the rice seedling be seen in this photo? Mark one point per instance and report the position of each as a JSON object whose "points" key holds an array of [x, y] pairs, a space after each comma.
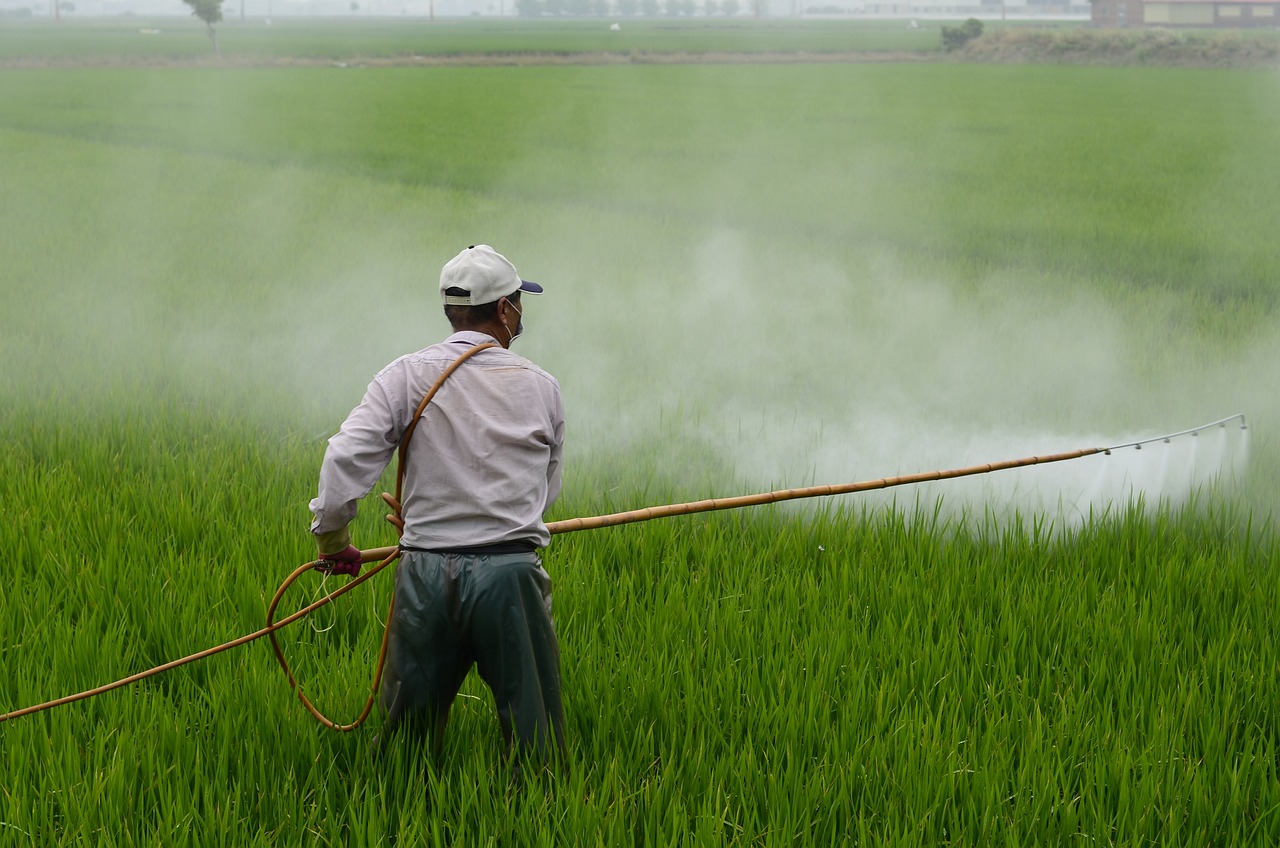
{"points": [[206, 267]]}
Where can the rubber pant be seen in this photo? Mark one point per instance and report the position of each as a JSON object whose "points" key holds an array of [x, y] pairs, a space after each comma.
{"points": [[493, 611]]}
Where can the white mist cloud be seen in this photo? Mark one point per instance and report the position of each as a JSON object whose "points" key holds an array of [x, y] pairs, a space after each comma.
{"points": [[782, 356], [792, 371]]}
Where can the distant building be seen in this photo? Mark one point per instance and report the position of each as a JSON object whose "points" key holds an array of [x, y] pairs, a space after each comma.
{"points": [[1198, 13]]}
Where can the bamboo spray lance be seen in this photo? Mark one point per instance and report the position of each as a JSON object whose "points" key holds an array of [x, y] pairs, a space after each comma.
{"points": [[387, 555]]}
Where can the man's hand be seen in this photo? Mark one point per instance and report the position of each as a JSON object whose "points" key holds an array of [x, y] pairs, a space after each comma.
{"points": [[346, 561]]}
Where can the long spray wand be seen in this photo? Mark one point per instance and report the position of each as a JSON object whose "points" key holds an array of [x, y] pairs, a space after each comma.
{"points": [[385, 556]]}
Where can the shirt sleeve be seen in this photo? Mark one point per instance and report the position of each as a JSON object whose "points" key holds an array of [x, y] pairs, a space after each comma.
{"points": [[355, 459], [557, 450]]}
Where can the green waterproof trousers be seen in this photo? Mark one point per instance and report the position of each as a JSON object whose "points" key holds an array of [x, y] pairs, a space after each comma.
{"points": [[490, 610]]}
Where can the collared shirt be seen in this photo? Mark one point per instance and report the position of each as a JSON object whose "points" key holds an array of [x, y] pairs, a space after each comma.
{"points": [[483, 463]]}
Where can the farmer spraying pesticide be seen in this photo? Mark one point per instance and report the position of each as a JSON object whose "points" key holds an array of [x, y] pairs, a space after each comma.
{"points": [[471, 488], [478, 475]]}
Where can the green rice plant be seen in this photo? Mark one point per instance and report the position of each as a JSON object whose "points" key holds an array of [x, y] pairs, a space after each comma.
{"points": [[208, 266], [734, 678]]}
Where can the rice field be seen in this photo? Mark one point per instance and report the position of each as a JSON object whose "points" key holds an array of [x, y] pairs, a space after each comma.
{"points": [[758, 276]]}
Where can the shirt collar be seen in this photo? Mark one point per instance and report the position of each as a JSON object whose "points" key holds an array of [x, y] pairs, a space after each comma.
{"points": [[471, 337]]}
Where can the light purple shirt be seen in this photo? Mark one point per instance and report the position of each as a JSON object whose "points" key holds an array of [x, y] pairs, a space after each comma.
{"points": [[483, 463]]}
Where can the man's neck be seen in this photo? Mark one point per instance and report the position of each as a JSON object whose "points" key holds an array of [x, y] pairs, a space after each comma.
{"points": [[493, 328]]}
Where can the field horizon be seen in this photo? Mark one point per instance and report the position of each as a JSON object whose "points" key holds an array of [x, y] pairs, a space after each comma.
{"points": [[360, 42]]}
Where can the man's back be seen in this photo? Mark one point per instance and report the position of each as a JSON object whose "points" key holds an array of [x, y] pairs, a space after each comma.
{"points": [[484, 462]]}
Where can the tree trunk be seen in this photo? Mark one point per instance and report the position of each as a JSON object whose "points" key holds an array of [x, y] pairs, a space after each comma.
{"points": [[213, 36]]}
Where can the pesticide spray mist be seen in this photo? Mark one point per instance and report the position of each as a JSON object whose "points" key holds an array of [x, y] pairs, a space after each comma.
{"points": [[723, 365], [705, 340], [798, 375]]}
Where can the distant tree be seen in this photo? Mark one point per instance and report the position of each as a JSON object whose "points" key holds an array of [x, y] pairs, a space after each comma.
{"points": [[601, 8], [209, 11], [68, 6], [711, 7], [650, 8], [628, 8], [528, 8], [729, 8], [953, 38]]}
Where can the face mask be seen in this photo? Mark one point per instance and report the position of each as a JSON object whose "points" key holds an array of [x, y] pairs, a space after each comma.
{"points": [[519, 324]]}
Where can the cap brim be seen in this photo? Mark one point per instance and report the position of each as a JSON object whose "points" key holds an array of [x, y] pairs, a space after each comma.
{"points": [[531, 288]]}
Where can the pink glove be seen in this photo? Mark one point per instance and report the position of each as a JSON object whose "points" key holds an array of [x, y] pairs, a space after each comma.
{"points": [[346, 561]]}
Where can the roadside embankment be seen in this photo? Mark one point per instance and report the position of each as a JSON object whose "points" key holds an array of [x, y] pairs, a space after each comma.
{"points": [[1156, 47]]}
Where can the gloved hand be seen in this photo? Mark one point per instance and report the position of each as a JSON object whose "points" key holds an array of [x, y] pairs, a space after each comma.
{"points": [[346, 561]]}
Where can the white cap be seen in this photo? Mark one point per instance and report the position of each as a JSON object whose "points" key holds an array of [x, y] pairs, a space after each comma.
{"points": [[485, 274]]}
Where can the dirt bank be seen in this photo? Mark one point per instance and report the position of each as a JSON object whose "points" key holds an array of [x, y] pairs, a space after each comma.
{"points": [[1130, 47]]}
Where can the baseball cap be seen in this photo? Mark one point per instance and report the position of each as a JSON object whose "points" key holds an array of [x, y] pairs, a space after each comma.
{"points": [[485, 274]]}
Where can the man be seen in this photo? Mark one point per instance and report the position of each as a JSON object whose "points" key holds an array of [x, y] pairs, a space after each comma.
{"points": [[482, 466]]}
